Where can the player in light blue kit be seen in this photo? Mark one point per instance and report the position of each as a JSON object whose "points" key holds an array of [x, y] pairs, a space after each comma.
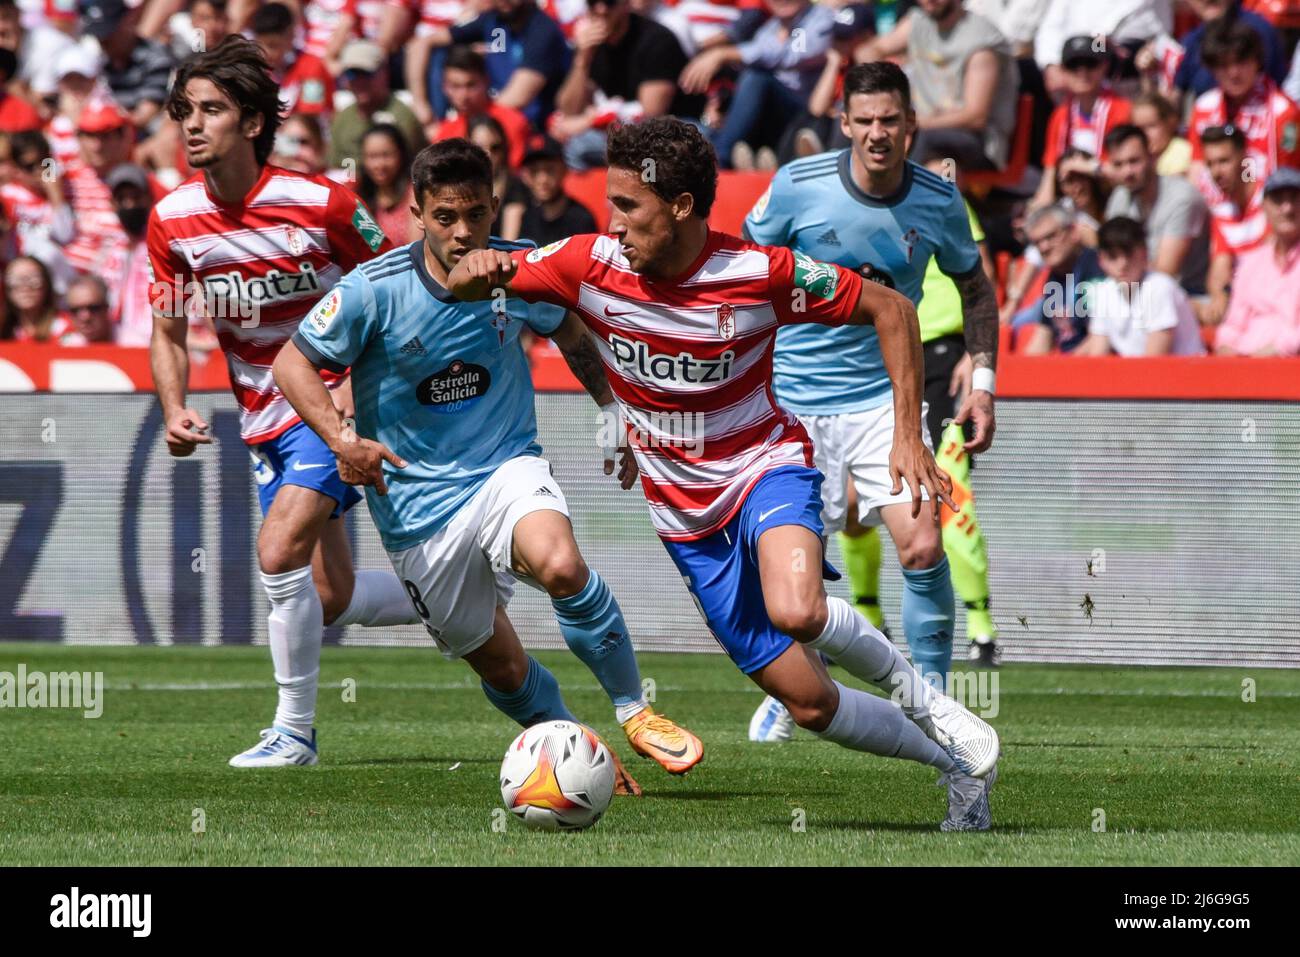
{"points": [[463, 501], [869, 208]]}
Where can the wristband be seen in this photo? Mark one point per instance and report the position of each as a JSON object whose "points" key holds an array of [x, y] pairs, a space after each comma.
{"points": [[982, 380]]}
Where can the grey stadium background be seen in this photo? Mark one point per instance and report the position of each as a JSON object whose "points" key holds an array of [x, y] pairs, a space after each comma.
{"points": [[1176, 522]]}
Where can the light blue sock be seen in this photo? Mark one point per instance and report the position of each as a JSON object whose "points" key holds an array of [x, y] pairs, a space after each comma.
{"points": [[538, 699], [593, 628], [929, 619]]}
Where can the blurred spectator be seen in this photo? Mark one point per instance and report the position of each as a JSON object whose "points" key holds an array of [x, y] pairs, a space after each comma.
{"points": [[527, 58], [1263, 317], [551, 215], [1089, 111], [1136, 312], [695, 24], [1017, 20], [132, 312], [40, 46], [1159, 120], [384, 183], [208, 25], [136, 70], [1125, 24], [1169, 208], [16, 113], [465, 85], [1245, 98], [624, 68], [37, 211], [1194, 76], [1083, 190], [300, 145], [1237, 220], [77, 71], [31, 306], [305, 84], [1057, 317], [819, 128], [365, 73], [87, 307], [777, 74], [964, 84], [511, 193], [104, 136]]}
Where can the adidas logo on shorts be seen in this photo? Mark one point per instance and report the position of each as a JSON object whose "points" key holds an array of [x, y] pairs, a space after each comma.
{"points": [[413, 348]]}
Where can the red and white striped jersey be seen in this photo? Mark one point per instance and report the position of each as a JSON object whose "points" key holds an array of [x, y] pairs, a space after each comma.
{"points": [[1234, 230], [430, 14], [321, 18], [690, 361], [1267, 118], [257, 267]]}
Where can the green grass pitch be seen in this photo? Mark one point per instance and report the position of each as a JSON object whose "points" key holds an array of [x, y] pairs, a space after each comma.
{"points": [[1184, 770]]}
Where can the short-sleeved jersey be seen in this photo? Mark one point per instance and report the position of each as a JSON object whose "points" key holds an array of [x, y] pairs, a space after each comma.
{"points": [[1234, 229], [1069, 128], [690, 361], [257, 266], [815, 207], [1267, 118], [443, 383]]}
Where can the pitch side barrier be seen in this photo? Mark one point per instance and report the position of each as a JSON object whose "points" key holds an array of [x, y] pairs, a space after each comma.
{"points": [[1138, 511]]}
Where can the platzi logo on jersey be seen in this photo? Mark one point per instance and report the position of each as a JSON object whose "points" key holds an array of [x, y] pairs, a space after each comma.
{"points": [[454, 388], [820, 279], [235, 287], [367, 227], [636, 357]]}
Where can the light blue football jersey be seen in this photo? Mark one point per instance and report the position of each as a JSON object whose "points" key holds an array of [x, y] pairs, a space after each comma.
{"points": [[443, 383], [815, 207]]}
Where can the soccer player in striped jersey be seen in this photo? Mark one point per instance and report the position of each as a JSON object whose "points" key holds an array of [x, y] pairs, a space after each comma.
{"points": [[462, 498], [256, 246], [685, 320], [870, 209]]}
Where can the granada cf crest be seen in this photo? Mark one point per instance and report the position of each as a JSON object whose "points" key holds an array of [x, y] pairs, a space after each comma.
{"points": [[295, 239], [726, 320]]}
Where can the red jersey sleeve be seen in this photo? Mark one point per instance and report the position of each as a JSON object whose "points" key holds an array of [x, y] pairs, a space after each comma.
{"points": [[553, 273], [1195, 125], [1288, 136], [169, 273], [805, 290], [353, 234]]}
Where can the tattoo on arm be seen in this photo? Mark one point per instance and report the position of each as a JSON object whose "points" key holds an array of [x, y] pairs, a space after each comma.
{"points": [[979, 307], [584, 362]]}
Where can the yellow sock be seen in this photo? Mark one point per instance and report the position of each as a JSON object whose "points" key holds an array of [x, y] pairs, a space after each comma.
{"points": [[862, 561], [963, 540]]}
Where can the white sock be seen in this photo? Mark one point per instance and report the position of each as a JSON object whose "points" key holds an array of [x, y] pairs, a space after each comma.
{"points": [[294, 631], [378, 598], [857, 647], [867, 723]]}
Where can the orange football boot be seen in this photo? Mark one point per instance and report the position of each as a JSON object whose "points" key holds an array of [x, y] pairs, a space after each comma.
{"points": [[654, 736]]}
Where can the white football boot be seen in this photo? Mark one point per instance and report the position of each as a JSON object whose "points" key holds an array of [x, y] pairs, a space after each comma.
{"points": [[771, 722], [968, 801], [969, 740], [278, 749]]}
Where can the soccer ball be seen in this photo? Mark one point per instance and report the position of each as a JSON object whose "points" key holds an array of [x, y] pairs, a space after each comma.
{"points": [[557, 776]]}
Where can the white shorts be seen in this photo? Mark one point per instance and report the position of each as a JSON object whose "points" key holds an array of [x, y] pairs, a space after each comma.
{"points": [[459, 576], [857, 445]]}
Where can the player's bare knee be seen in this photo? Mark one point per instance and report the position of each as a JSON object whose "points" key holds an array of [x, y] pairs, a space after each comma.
{"points": [[276, 556], [563, 573], [924, 550], [803, 619], [505, 674]]}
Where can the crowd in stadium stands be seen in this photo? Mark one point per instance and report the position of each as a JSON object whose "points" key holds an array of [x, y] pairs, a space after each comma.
{"points": [[1133, 165]]}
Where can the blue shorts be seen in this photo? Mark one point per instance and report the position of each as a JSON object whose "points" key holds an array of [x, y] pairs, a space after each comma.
{"points": [[297, 456], [721, 571]]}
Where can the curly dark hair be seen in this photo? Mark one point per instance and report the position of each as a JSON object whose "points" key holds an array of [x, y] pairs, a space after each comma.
{"points": [[681, 159], [237, 67]]}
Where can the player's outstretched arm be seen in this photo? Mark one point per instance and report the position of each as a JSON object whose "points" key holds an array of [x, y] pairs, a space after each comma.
{"points": [[584, 362], [185, 428], [480, 273], [360, 461], [979, 306], [899, 331]]}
